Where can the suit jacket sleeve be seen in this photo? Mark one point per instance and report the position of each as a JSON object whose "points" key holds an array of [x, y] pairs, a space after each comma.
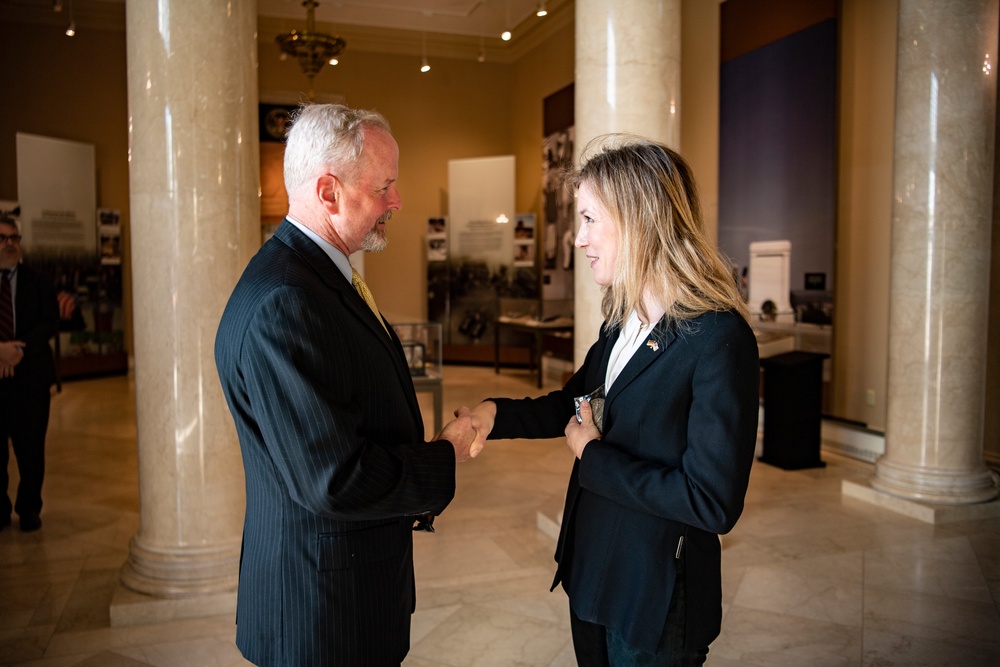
{"points": [[301, 365], [707, 488]]}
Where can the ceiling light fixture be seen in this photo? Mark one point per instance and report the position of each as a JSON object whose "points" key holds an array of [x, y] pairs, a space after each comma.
{"points": [[541, 11], [71, 28], [312, 49], [481, 57], [505, 35], [424, 67]]}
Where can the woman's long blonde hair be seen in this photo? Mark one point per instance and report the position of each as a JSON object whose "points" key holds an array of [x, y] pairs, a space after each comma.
{"points": [[649, 192]]}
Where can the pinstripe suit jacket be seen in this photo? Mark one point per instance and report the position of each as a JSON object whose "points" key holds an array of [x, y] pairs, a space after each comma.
{"points": [[332, 443]]}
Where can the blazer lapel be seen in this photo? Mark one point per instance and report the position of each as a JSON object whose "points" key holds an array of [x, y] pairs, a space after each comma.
{"points": [[656, 344]]}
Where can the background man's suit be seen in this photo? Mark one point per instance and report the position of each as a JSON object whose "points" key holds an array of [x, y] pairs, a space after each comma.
{"points": [[25, 398], [335, 460], [680, 426]]}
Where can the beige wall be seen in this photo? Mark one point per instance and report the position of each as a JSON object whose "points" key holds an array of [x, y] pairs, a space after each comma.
{"points": [[542, 71], [864, 220], [700, 102]]}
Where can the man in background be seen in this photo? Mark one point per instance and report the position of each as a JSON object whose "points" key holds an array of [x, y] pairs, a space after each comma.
{"points": [[29, 317], [337, 470]]}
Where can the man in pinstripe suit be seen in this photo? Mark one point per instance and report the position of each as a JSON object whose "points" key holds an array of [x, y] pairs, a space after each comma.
{"points": [[328, 421]]}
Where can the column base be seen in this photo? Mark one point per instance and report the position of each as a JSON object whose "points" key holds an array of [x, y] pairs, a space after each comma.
{"points": [[934, 486], [131, 608], [926, 512], [181, 572]]}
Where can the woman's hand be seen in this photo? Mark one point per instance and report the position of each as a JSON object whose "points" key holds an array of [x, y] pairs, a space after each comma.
{"points": [[483, 417], [577, 434]]}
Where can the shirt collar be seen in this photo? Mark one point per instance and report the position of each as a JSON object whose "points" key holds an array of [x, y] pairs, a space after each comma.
{"points": [[336, 256]]}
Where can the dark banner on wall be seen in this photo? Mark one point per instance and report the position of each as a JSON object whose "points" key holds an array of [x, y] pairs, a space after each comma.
{"points": [[558, 207]]}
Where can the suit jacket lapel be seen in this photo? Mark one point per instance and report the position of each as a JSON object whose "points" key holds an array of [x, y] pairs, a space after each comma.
{"points": [[332, 277], [335, 280]]}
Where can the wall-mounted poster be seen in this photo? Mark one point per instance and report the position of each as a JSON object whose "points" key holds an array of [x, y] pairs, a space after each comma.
{"points": [[437, 239], [275, 121], [524, 240], [109, 236]]}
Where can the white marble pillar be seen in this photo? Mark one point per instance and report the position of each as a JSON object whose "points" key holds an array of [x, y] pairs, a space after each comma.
{"points": [[628, 71], [939, 281], [193, 184]]}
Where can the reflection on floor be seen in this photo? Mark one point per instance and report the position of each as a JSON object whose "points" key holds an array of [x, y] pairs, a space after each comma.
{"points": [[811, 578]]}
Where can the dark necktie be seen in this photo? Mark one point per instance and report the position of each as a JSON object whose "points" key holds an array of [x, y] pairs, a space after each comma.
{"points": [[6, 308]]}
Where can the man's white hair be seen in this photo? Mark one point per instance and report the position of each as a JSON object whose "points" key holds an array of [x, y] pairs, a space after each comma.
{"points": [[326, 136]]}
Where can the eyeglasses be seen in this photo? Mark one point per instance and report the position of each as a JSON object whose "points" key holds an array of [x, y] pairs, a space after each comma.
{"points": [[13, 238]]}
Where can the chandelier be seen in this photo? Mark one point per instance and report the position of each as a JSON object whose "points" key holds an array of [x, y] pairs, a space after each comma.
{"points": [[312, 49]]}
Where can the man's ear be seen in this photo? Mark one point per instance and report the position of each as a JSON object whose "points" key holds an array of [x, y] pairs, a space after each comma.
{"points": [[328, 192]]}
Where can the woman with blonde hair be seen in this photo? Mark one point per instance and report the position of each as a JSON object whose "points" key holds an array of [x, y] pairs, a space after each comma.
{"points": [[662, 416]]}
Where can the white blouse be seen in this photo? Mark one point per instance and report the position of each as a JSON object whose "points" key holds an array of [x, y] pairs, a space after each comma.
{"points": [[634, 333]]}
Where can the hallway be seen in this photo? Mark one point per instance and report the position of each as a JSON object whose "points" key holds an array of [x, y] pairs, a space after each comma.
{"points": [[811, 578]]}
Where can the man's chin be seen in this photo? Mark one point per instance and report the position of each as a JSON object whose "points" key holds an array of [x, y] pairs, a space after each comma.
{"points": [[375, 241]]}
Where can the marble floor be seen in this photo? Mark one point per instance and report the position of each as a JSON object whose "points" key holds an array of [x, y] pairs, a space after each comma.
{"points": [[811, 578]]}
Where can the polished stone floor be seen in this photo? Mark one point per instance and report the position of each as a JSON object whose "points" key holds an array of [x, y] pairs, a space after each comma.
{"points": [[811, 578]]}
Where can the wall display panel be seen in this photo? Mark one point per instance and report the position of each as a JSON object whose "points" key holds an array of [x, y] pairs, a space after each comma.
{"points": [[63, 241], [57, 190], [479, 266]]}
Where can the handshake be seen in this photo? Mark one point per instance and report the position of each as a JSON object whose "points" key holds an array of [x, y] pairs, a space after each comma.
{"points": [[468, 431]]}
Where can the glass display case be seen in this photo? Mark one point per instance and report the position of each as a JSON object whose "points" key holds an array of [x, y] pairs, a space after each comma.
{"points": [[422, 346]]}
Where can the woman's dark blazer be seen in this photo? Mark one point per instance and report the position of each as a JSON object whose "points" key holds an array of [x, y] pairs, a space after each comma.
{"points": [[669, 475]]}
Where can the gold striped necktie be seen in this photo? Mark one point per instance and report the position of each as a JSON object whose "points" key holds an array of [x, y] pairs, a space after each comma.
{"points": [[366, 294]]}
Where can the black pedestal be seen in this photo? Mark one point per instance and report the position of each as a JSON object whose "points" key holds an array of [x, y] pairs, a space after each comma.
{"points": [[793, 404]]}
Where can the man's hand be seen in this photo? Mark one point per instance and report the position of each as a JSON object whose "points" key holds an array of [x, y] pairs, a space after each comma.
{"points": [[460, 433], [577, 434], [11, 353]]}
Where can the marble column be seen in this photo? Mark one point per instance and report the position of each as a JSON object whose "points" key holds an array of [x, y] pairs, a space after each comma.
{"points": [[628, 76], [940, 267], [193, 184]]}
